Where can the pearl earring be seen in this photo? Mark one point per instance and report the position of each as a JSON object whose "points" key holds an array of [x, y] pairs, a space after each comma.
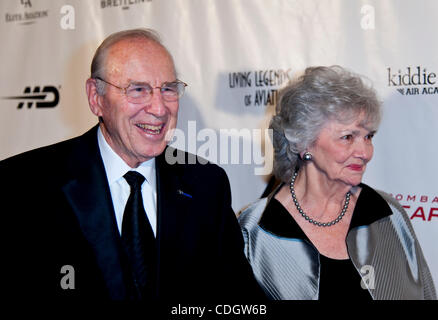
{"points": [[307, 156]]}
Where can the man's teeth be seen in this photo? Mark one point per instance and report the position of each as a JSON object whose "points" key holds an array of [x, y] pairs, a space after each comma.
{"points": [[154, 129]]}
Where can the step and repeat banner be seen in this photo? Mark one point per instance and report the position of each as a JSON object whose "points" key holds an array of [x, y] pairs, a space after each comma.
{"points": [[235, 55]]}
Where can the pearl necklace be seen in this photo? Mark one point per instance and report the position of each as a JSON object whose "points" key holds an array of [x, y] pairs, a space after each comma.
{"points": [[310, 220]]}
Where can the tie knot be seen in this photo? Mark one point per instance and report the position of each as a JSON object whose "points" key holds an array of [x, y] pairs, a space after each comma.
{"points": [[134, 179]]}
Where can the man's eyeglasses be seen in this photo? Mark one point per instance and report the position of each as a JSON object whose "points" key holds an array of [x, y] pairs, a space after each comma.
{"points": [[142, 92]]}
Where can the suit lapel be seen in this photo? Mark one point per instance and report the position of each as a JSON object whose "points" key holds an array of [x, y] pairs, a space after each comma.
{"points": [[167, 187], [89, 195], [173, 200]]}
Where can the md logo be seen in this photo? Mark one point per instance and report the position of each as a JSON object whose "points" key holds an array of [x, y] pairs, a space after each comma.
{"points": [[46, 98]]}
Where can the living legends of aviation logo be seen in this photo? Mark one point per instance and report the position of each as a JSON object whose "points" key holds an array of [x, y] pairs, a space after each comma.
{"points": [[413, 81], [259, 87], [48, 97]]}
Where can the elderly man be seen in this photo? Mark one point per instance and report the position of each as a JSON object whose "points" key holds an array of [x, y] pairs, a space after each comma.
{"points": [[104, 215]]}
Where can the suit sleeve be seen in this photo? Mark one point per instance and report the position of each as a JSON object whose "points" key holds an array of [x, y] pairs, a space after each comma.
{"points": [[239, 276]]}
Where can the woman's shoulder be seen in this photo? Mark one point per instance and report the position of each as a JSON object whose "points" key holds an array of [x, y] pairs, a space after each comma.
{"points": [[386, 203], [251, 214], [383, 197]]}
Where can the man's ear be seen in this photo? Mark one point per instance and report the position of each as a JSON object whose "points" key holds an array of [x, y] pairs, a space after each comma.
{"points": [[94, 99]]}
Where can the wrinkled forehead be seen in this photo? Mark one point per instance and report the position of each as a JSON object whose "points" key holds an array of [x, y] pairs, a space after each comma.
{"points": [[367, 120], [127, 52]]}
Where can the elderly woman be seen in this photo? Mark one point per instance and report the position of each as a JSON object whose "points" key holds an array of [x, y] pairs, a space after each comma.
{"points": [[322, 234]]}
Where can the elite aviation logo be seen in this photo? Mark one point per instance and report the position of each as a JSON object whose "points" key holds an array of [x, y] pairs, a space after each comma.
{"points": [[26, 14]]}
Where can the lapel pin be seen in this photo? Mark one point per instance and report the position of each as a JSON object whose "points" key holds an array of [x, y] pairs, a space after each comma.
{"points": [[184, 194]]}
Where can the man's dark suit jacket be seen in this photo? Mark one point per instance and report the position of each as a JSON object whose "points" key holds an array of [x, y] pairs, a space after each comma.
{"points": [[56, 211]]}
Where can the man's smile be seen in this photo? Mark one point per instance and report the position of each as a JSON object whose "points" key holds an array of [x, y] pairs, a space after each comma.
{"points": [[151, 129]]}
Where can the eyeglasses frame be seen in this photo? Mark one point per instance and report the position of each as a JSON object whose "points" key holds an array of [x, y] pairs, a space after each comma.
{"points": [[124, 90]]}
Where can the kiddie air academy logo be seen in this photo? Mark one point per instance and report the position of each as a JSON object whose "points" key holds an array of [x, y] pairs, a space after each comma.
{"points": [[413, 81]]}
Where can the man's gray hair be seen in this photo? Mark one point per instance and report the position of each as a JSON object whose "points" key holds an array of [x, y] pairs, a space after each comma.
{"points": [[305, 105], [98, 62]]}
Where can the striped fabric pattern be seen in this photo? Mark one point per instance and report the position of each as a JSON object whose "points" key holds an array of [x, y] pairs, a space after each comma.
{"points": [[288, 269]]}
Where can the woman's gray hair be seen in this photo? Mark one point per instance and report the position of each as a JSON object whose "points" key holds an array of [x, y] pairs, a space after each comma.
{"points": [[305, 105], [98, 62]]}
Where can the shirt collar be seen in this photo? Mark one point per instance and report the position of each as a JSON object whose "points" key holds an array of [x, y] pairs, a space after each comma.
{"points": [[116, 168]]}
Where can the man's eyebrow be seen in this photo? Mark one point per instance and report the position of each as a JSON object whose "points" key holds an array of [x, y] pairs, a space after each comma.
{"points": [[138, 83], [144, 83]]}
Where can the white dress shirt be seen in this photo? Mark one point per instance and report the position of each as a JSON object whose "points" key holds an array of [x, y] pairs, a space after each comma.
{"points": [[115, 169]]}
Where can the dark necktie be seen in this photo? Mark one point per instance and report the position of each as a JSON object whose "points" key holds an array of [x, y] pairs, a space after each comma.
{"points": [[138, 239]]}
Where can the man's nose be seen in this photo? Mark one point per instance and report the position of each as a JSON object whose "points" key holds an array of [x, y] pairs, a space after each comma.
{"points": [[156, 106]]}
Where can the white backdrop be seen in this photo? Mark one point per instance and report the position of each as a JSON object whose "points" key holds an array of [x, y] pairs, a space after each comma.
{"points": [[235, 54]]}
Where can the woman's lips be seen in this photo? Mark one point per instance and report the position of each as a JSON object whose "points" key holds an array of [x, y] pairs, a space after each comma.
{"points": [[355, 167]]}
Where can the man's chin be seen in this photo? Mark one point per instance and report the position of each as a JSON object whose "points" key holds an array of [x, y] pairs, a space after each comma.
{"points": [[155, 151]]}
